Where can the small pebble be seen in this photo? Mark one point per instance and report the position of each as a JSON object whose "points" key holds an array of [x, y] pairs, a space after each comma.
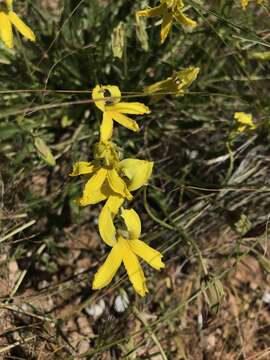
{"points": [[121, 303], [266, 297], [96, 310]]}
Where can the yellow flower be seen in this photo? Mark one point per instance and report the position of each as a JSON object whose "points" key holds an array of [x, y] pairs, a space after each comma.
{"points": [[109, 178], [170, 11], [246, 2], [9, 18], [108, 100], [175, 84], [126, 246], [245, 121]]}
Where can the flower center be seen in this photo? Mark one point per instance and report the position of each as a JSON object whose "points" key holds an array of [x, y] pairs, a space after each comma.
{"points": [[108, 98], [107, 153]]}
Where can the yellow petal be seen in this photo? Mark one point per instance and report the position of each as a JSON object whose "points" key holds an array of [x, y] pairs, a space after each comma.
{"points": [[106, 128], [133, 223], [114, 94], [106, 227], [125, 121], [107, 271], [184, 78], [245, 119], [185, 21], [133, 267], [137, 171], [117, 184], [130, 108], [155, 11], [244, 4], [166, 25], [93, 197], [6, 30], [82, 168], [99, 96], [92, 191], [9, 3], [21, 26], [241, 128], [96, 181], [114, 203], [160, 86], [148, 254]]}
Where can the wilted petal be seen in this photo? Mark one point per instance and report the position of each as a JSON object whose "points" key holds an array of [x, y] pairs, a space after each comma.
{"points": [[135, 108], [155, 11], [137, 171], [185, 21], [160, 86], [165, 26], [106, 227], [133, 223], [117, 184], [82, 168], [6, 30], [125, 121], [133, 267], [21, 26], [107, 271], [150, 255]]}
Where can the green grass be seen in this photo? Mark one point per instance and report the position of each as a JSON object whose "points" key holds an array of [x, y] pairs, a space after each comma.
{"points": [[207, 202]]}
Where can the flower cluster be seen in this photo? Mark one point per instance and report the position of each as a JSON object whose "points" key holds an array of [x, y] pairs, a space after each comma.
{"points": [[112, 179]]}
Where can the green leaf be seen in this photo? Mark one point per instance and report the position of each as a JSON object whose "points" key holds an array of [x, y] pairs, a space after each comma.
{"points": [[44, 151], [8, 131], [141, 33], [118, 40]]}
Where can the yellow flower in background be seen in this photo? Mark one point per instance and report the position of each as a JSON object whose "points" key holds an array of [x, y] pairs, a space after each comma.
{"points": [[109, 178], [176, 84], [245, 121], [9, 18], [126, 248], [246, 2], [170, 11], [108, 100], [260, 55]]}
